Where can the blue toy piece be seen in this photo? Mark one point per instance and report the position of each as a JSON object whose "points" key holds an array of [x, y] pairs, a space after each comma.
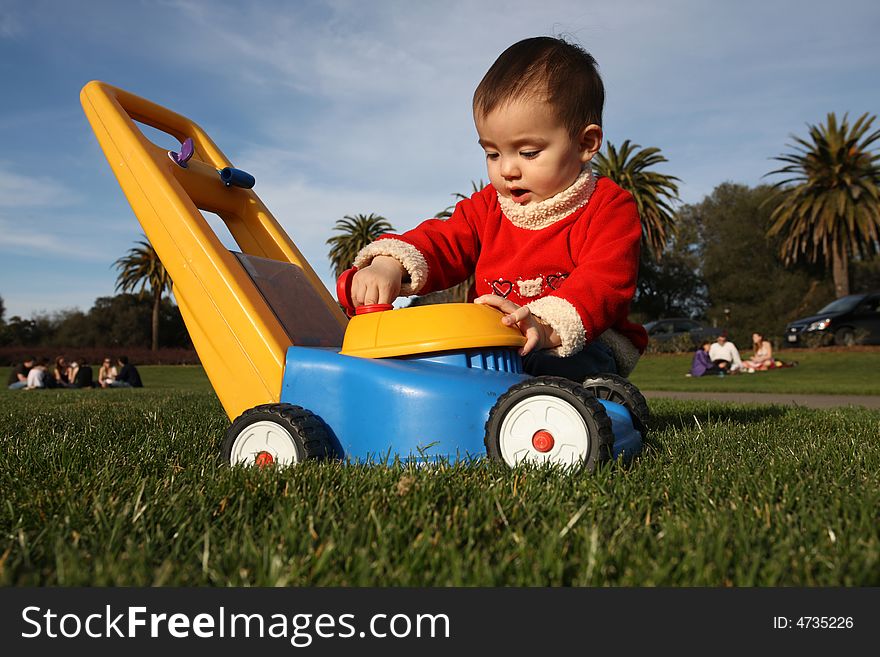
{"points": [[232, 177], [425, 408]]}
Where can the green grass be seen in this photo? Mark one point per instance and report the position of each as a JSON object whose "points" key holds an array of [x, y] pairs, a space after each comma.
{"points": [[850, 372], [124, 487], [818, 372], [175, 377]]}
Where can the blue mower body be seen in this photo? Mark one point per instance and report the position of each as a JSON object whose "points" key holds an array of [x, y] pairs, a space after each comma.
{"points": [[425, 408]]}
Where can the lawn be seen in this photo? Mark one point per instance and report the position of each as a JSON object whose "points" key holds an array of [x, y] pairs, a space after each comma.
{"points": [[819, 371], [124, 487]]}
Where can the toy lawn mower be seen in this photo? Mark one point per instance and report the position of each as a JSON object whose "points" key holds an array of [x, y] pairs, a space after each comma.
{"points": [[300, 380]]}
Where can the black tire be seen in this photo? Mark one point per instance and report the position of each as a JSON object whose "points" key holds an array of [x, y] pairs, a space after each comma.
{"points": [[599, 437], [310, 438], [614, 388], [844, 337]]}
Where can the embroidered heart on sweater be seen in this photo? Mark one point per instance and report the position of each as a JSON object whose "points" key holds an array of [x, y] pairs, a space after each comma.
{"points": [[555, 280], [501, 287]]}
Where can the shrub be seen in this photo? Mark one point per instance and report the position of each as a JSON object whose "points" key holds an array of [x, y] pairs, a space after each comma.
{"points": [[676, 345]]}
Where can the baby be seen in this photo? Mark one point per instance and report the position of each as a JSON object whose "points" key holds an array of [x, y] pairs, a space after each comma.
{"points": [[552, 247]]}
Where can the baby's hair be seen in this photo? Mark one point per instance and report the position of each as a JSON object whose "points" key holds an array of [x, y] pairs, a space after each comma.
{"points": [[563, 73]]}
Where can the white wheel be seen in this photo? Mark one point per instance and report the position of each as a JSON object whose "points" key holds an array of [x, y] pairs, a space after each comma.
{"points": [[543, 429], [264, 443], [549, 420], [277, 434]]}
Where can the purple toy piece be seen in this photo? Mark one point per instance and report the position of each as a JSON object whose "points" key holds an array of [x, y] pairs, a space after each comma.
{"points": [[186, 152]]}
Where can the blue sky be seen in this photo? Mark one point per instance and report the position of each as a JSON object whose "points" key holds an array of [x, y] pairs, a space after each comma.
{"points": [[345, 107]]}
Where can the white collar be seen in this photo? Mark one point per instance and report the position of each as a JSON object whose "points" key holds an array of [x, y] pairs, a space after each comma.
{"points": [[540, 215]]}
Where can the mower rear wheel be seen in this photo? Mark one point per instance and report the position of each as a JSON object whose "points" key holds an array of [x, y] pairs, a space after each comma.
{"points": [[614, 388], [277, 434]]}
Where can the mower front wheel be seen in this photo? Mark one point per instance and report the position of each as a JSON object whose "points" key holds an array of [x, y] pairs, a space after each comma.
{"points": [[277, 434], [549, 420]]}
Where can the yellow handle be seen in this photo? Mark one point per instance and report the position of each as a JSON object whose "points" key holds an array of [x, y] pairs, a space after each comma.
{"points": [[161, 118]]}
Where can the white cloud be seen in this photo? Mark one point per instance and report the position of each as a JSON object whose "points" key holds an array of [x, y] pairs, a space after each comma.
{"points": [[10, 24], [22, 191], [23, 237]]}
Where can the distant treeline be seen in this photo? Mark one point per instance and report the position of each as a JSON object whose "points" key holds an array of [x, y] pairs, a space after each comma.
{"points": [[113, 324], [95, 355]]}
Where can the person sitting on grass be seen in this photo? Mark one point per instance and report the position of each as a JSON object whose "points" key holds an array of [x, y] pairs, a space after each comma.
{"points": [[551, 245], [702, 364], [19, 374], [38, 376], [81, 375], [762, 359], [106, 373], [60, 374], [128, 376], [725, 355]]}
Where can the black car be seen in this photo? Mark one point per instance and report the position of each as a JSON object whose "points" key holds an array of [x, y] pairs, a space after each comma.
{"points": [[676, 327], [854, 319]]}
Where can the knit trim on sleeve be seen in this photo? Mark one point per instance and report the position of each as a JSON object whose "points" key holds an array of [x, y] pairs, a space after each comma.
{"points": [[564, 319], [405, 253]]}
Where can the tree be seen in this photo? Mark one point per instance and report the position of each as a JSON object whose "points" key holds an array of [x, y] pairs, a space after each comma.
{"points": [[139, 269], [20, 332], [740, 264], [357, 232], [654, 193], [829, 206], [673, 286], [121, 321], [2, 310]]}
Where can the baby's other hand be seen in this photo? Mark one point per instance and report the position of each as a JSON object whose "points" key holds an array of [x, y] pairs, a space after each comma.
{"points": [[379, 282], [538, 335]]}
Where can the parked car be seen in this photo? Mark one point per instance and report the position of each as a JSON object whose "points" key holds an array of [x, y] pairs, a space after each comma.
{"points": [[854, 319], [668, 329]]}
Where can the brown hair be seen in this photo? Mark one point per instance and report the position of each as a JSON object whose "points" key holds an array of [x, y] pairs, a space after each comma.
{"points": [[565, 72]]}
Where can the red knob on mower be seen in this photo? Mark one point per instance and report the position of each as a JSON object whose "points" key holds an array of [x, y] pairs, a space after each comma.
{"points": [[343, 293]]}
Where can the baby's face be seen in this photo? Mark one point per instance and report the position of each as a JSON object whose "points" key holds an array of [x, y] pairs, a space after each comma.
{"points": [[530, 154]]}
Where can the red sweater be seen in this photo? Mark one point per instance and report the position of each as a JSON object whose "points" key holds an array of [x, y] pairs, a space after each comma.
{"points": [[588, 258]]}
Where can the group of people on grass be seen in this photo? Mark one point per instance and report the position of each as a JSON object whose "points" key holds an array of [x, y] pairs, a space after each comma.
{"points": [[34, 374], [722, 357]]}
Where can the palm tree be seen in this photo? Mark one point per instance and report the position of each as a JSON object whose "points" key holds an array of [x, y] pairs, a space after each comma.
{"points": [[653, 192], [141, 268], [357, 232], [831, 211]]}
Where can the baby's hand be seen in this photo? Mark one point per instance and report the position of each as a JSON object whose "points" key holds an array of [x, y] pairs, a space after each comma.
{"points": [[538, 334], [379, 282]]}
